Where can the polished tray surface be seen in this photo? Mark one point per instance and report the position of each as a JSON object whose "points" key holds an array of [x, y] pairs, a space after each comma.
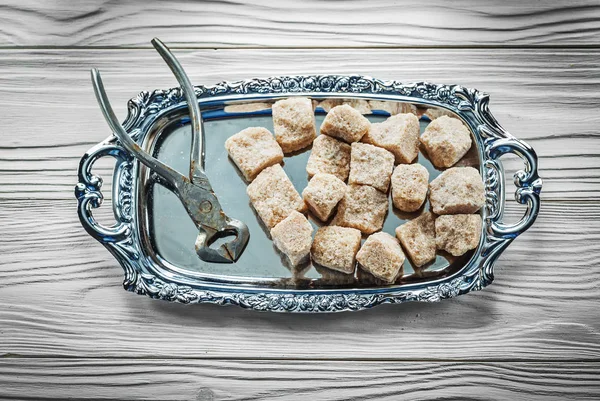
{"points": [[153, 237]]}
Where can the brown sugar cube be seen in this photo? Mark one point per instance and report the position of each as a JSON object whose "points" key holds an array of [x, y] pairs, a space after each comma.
{"points": [[392, 107], [399, 134], [365, 278], [252, 150], [293, 237], [335, 247], [458, 190], [363, 207], [247, 107], [330, 156], [435, 112], [345, 123], [458, 233], [404, 108], [370, 165], [323, 193], [273, 196], [294, 123], [383, 105], [328, 104], [361, 105], [418, 238], [381, 256], [446, 141], [409, 186]]}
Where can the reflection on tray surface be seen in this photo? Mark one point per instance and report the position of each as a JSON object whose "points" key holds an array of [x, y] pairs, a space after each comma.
{"points": [[172, 233]]}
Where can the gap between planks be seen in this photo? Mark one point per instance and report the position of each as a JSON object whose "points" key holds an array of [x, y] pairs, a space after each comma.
{"points": [[480, 361]]}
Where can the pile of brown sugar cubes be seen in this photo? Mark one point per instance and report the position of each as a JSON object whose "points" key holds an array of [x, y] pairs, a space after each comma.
{"points": [[352, 165]]}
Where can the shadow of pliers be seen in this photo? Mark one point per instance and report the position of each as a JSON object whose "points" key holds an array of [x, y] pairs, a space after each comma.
{"points": [[195, 193]]}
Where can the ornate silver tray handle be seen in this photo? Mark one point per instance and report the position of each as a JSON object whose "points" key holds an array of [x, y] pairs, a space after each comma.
{"points": [[130, 238]]}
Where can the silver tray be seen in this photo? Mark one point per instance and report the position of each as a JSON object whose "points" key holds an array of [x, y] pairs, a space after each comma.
{"points": [[153, 237]]}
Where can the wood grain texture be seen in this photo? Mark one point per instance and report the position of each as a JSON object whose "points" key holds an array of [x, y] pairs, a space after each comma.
{"points": [[61, 295], [67, 328], [222, 23], [41, 379], [553, 106]]}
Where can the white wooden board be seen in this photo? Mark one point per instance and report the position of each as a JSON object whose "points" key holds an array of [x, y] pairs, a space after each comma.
{"points": [[311, 23], [67, 328]]}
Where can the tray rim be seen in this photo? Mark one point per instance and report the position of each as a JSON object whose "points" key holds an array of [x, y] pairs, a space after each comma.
{"points": [[123, 239]]}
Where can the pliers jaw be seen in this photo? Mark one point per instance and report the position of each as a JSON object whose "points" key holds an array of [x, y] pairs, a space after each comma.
{"points": [[228, 252]]}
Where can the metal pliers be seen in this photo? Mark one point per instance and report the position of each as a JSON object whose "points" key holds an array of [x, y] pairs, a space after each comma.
{"points": [[194, 192]]}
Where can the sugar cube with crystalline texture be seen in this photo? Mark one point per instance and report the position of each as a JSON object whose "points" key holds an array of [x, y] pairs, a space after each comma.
{"points": [[247, 107], [335, 247], [363, 207], [458, 190], [330, 156], [417, 237], [252, 150], [399, 134], [436, 112], [458, 233], [293, 237], [294, 123], [323, 193], [381, 256], [361, 105], [370, 165], [409, 186], [345, 123], [273, 196], [392, 107], [367, 279], [446, 141]]}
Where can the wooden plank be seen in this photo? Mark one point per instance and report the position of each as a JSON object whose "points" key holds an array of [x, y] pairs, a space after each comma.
{"points": [[60, 293], [168, 379], [307, 24], [548, 98]]}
